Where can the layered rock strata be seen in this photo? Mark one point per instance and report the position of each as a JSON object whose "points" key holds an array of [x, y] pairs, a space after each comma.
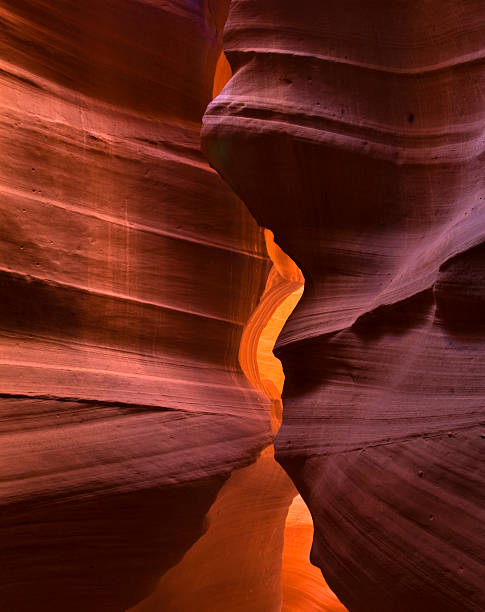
{"points": [[128, 270], [368, 121]]}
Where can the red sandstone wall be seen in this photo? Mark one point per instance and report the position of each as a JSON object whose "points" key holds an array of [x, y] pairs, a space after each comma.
{"points": [[128, 270], [354, 132]]}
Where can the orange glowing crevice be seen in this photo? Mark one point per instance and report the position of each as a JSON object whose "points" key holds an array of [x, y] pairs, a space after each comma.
{"points": [[222, 75], [303, 587], [283, 290], [285, 278]]}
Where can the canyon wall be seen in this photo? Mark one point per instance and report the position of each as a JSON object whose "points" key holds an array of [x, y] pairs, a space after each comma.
{"points": [[354, 131], [139, 398], [128, 270]]}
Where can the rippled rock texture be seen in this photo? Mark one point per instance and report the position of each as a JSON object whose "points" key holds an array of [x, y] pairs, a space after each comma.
{"points": [[128, 270], [354, 131]]}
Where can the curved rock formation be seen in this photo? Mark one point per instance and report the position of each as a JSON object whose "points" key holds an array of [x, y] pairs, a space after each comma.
{"points": [[255, 553], [355, 133], [128, 270], [304, 590], [236, 565], [284, 288]]}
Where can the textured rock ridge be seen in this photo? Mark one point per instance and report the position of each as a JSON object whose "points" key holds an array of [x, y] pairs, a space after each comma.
{"points": [[369, 121], [128, 270]]}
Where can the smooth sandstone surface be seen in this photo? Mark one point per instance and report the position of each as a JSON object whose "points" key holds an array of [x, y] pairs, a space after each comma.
{"points": [[128, 271], [369, 120]]}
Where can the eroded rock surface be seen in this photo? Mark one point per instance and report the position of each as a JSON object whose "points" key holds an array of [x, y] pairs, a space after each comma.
{"points": [[368, 119], [128, 270]]}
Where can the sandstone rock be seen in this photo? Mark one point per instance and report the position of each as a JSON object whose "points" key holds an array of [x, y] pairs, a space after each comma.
{"points": [[128, 270], [368, 120]]}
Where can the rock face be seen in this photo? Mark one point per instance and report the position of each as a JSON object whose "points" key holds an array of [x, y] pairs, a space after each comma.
{"points": [[128, 270], [303, 586], [236, 565], [136, 467], [369, 121]]}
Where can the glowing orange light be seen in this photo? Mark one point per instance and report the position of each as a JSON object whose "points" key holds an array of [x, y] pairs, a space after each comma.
{"points": [[222, 75], [303, 588]]}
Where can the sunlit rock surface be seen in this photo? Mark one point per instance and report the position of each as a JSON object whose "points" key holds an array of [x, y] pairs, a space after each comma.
{"points": [[128, 271], [255, 552], [303, 586], [236, 565], [353, 131]]}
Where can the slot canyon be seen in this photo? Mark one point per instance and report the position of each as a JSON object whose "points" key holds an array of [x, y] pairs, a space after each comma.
{"points": [[243, 306]]}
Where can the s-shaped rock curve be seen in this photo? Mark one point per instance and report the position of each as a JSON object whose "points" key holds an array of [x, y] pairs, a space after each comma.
{"points": [[355, 132]]}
